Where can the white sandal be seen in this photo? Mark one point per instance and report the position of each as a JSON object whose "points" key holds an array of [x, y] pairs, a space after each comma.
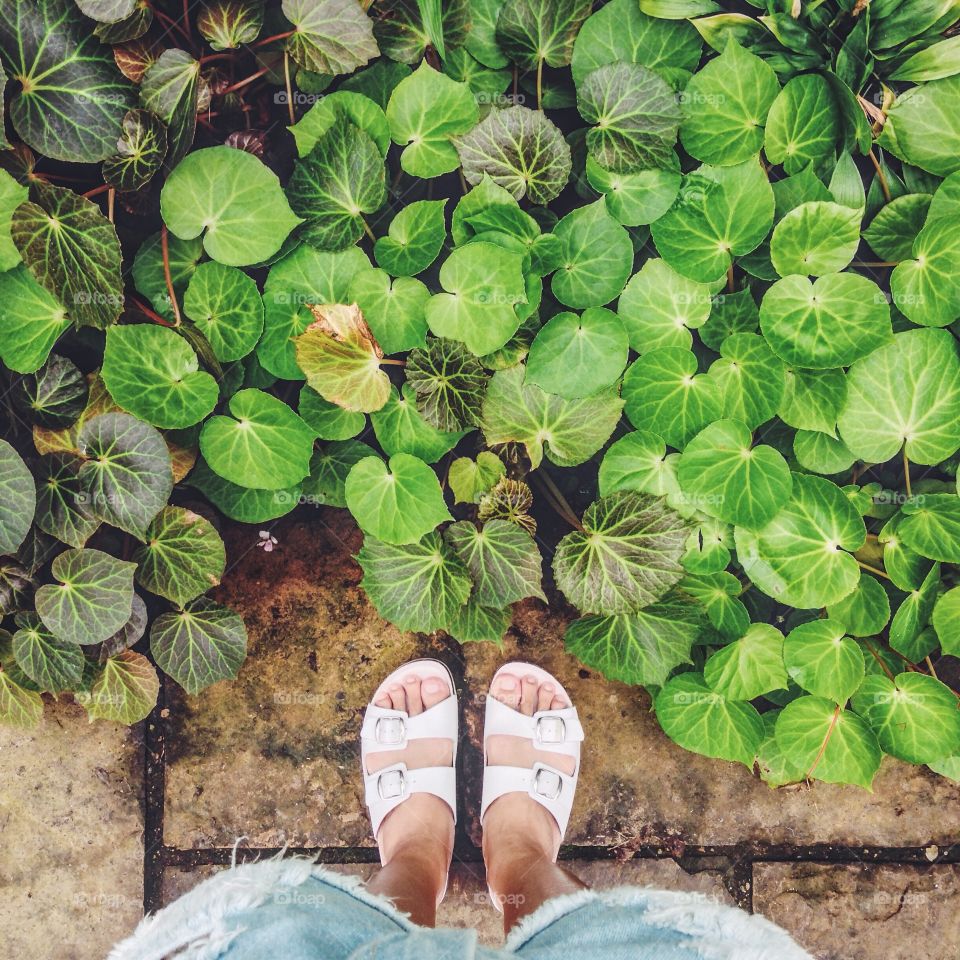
{"points": [[387, 729], [555, 731]]}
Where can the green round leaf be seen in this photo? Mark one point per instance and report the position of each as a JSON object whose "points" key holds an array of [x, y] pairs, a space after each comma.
{"points": [[234, 198], [153, 373], [199, 645], [892, 231], [18, 499], [626, 556], [634, 462], [596, 257], [72, 249], [569, 431], [357, 108], [415, 239], [822, 660], [931, 526], [636, 198], [449, 383], [342, 178], [724, 476], [828, 743], [920, 127], [664, 394], [182, 557], [62, 508], [905, 394], [926, 289], [803, 124], [748, 667], [725, 107], [659, 307], [426, 110], [330, 36], [127, 476], [242, 503], [503, 561], [125, 692], [140, 152], [394, 308], [946, 621], [909, 634], [821, 453], [575, 356], [865, 611], [635, 117], [698, 719], [484, 283], [327, 420], [720, 213], [52, 664], [637, 648], [914, 716], [417, 586], [400, 428], [812, 399], [171, 89], [750, 379], [71, 98], [530, 31], [31, 321], [801, 556], [398, 505], [329, 468], [228, 24], [520, 149], [225, 305], [263, 444], [814, 239], [93, 600]]}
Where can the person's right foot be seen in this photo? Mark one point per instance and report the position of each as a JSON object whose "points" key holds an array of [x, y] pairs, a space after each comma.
{"points": [[516, 826]]}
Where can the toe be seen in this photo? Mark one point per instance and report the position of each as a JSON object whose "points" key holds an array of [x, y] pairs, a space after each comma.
{"points": [[506, 689], [433, 690], [397, 699], [384, 701], [411, 686], [558, 704], [528, 695], [545, 696]]}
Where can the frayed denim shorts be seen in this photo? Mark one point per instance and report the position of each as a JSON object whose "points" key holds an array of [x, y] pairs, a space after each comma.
{"points": [[292, 909]]}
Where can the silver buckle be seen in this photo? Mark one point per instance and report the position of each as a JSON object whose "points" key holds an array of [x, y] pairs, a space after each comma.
{"points": [[391, 784], [390, 730], [547, 784], [551, 730]]}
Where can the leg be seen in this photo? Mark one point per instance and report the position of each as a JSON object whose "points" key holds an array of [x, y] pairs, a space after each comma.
{"points": [[519, 835], [416, 839]]}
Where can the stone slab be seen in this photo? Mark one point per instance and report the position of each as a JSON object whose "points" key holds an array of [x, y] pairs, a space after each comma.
{"points": [[864, 912], [467, 903], [636, 786], [273, 756], [71, 836]]}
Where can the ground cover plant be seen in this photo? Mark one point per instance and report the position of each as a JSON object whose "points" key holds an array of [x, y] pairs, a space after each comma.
{"points": [[656, 296]]}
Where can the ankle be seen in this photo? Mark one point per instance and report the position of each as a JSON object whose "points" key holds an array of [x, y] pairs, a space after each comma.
{"points": [[510, 856]]}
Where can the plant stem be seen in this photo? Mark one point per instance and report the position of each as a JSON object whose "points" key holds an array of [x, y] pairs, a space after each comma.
{"points": [[244, 82], [906, 472], [876, 656], [111, 197], [540, 84], [96, 191], [165, 248], [730, 285], [884, 186], [367, 230], [876, 570], [226, 55], [872, 263], [289, 86], [276, 36], [823, 746], [463, 180], [929, 663], [152, 314], [393, 363]]}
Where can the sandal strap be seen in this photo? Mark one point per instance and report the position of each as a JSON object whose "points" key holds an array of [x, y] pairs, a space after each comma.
{"points": [[558, 731], [385, 729], [386, 789], [551, 788]]}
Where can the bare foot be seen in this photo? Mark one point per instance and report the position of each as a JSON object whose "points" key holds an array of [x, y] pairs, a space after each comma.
{"points": [[422, 821], [515, 825]]}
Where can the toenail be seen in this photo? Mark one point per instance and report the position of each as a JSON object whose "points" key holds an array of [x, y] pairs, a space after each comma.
{"points": [[395, 687], [508, 683], [548, 687], [530, 679], [410, 679], [432, 684]]}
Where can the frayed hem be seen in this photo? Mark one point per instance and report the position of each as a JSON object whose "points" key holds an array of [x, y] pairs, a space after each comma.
{"points": [[716, 931], [545, 915], [203, 923]]}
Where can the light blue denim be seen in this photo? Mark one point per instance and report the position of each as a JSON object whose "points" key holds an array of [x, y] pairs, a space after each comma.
{"points": [[292, 909]]}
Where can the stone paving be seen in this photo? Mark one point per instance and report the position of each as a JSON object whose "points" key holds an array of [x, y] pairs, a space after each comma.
{"points": [[98, 822]]}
